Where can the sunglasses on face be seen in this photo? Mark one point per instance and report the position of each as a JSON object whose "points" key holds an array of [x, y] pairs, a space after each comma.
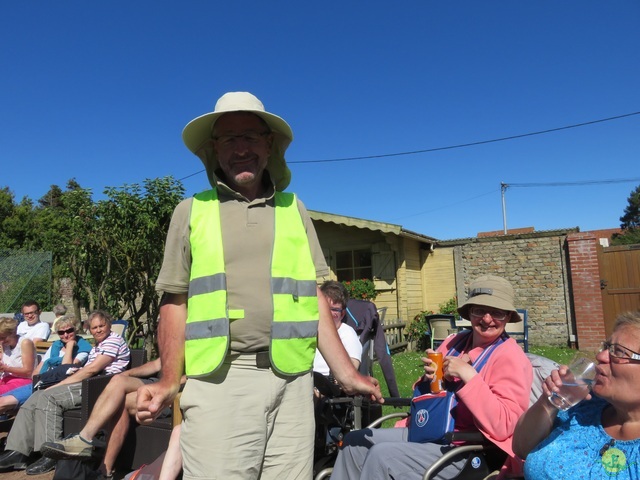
{"points": [[67, 331], [499, 315]]}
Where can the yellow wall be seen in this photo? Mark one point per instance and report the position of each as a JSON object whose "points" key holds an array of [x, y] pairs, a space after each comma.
{"points": [[439, 278], [413, 265], [405, 297]]}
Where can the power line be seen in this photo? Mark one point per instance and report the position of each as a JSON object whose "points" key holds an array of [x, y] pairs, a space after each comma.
{"points": [[464, 200], [504, 186], [472, 144], [451, 147], [567, 184]]}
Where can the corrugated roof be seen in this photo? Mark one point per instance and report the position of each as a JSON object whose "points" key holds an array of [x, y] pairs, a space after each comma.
{"points": [[369, 224]]}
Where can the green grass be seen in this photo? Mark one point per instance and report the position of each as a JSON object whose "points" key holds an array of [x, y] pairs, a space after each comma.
{"points": [[408, 367], [562, 355]]}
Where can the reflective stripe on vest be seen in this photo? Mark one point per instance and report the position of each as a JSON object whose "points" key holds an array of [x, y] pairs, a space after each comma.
{"points": [[295, 321]]}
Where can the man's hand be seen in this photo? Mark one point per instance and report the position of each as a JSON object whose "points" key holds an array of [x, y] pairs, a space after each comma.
{"points": [[364, 385], [154, 398]]}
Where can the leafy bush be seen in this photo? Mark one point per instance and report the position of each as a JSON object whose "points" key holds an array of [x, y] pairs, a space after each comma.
{"points": [[418, 328], [449, 307], [362, 289]]}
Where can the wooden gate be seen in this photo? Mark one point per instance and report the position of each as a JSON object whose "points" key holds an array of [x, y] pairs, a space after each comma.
{"points": [[619, 281]]}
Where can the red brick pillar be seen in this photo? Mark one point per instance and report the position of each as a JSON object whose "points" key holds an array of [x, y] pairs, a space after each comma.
{"points": [[585, 284]]}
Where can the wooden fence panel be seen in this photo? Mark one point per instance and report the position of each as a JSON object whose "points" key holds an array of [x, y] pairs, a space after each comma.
{"points": [[619, 281], [394, 333]]}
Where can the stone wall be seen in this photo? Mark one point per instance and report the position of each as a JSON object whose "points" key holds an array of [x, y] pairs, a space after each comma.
{"points": [[536, 265]]}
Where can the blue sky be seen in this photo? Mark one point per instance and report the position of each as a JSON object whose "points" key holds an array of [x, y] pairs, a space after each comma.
{"points": [[100, 91]]}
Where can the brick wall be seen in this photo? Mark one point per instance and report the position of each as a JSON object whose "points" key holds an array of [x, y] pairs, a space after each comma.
{"points": [[585, 282]]}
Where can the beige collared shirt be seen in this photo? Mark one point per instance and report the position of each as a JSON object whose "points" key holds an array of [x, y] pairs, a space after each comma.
{"points": [[247, 238]]}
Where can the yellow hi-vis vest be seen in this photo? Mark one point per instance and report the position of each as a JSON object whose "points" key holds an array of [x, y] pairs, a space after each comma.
{"points": [[294, 326]]}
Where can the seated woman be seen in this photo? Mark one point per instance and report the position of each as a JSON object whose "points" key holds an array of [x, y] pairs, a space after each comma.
{"points": [[597, 438], [17, 358], [68, 349], [489, 401]]}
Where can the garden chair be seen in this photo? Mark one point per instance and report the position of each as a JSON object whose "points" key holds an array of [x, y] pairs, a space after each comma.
{"points": [[441, 326]]}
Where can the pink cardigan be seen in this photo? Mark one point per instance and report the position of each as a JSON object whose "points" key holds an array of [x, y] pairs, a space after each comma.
{"points": [[493, 401]]}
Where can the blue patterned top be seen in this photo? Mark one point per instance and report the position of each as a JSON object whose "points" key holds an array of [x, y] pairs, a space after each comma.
{"points": [[579, 448]]}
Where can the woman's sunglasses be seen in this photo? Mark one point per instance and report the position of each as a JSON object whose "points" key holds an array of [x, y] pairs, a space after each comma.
{"points": [[68, 330]]}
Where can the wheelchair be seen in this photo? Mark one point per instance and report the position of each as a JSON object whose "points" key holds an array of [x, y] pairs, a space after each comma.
{"points": [[337, 414], [482, 457]]}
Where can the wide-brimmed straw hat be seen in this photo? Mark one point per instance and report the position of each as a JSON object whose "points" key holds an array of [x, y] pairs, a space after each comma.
{"points": [[197, 135], [490, 291]]}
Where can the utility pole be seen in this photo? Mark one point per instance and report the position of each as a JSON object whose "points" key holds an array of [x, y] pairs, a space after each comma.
{"points": [[503, 189]]}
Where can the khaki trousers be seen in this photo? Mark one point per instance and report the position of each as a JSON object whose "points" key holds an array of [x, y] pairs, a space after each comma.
{"points": [[40, 419], [246, 422]]}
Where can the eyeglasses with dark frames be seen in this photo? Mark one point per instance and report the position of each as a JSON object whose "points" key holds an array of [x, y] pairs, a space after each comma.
{"points": [[336, 310], [618, 351], [228, 141], [499, 315], [31, 314]]}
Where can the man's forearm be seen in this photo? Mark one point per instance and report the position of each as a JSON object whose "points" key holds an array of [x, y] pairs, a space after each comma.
{"points": [[171, 335]]}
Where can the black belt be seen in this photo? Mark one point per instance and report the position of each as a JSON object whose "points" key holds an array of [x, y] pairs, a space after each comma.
{"points": [[263, 360]]}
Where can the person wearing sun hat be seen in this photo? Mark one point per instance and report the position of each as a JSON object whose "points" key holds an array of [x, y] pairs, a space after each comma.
{"points": [[240, 311], [490, 400], [490, 291]]}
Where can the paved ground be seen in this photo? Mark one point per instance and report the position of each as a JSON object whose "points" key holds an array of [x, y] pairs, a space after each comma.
{"points": [[20, 475], [23, 476]]}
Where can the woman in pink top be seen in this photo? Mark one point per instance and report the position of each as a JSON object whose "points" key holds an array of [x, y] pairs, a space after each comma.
{"points": [[489, 401], [17, 356]]}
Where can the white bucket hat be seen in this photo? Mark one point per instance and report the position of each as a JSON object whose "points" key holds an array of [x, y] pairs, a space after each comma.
{"points": [[197, 133], [490, 291]]}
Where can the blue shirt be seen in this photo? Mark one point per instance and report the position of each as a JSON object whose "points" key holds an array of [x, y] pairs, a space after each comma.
{"points": [[579, 448]]}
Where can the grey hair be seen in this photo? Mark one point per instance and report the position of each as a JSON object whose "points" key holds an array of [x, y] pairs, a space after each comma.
{"points": [[102, 314], [631, 319]]}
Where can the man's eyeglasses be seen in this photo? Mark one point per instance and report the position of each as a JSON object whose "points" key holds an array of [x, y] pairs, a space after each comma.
{"points": [[228, 141], [336, 310], [30, 314], [482, 311], [618, 351], [67, 331]]}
